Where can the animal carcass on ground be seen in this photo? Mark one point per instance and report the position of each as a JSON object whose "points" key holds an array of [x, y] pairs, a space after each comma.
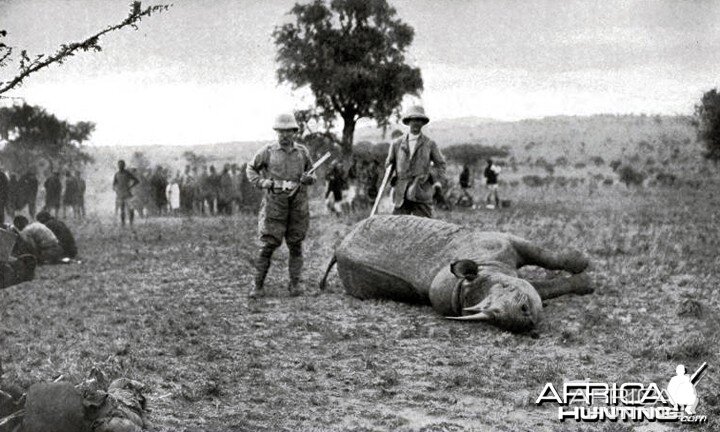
{"points": [[463, 273]]}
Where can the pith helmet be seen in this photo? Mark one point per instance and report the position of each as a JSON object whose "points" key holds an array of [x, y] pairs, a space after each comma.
{"points": [[415, 112], [285, 121]]}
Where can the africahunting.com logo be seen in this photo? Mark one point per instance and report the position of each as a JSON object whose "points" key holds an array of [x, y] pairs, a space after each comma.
{"points": [[585, 401]]}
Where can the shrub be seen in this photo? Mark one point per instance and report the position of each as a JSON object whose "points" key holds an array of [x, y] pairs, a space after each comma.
{"points": [[472, 153], [533, 180], [630, 176]]}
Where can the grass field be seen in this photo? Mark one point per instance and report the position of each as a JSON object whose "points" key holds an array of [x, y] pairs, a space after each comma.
{"points": [[166, 304]]}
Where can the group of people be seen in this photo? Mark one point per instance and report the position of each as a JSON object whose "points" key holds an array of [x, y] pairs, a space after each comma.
{"points": [[348, 189], [466, 182], [47, 240], [18, 192], [200, 190]]}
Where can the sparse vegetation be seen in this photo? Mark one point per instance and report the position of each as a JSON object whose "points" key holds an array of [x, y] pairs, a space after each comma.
{"points": [[630, 176], [167, 304]]}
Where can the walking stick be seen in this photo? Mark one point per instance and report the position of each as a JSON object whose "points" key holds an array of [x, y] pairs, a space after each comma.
{"points": [[388, 171]]}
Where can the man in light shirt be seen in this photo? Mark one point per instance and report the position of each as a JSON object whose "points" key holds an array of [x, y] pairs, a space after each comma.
{"points": [[410, 157], [42, 242]]}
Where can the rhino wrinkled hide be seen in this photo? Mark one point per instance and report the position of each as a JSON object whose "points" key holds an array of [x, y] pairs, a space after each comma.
{"points": [[463, 273]]}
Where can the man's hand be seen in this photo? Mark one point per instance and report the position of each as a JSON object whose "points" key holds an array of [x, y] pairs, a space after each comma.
{"points": [[307, 179], [266, 184]]}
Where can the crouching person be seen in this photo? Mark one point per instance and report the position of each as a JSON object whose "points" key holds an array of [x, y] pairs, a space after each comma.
{"points": [[38, 240], [14, 270], [62, 233], [279, 169]]}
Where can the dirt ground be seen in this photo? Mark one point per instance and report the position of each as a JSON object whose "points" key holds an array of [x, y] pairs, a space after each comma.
{"points": [[166, 304]]}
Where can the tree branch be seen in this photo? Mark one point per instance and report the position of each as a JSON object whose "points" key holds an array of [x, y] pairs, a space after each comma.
{"points": [[67, 50]]}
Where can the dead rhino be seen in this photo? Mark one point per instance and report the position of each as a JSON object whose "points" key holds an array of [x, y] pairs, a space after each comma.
{"points": [[463, 273]]}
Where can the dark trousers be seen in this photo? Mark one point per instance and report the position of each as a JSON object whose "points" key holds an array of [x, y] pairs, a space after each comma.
{"points": [[414, 208]]}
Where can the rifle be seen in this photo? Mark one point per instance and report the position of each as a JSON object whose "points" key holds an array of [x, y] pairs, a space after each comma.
{"points": [[312, 169], [698, 373]]}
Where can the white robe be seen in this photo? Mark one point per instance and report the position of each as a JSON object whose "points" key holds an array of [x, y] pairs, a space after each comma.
{"points": [[172, 192]]}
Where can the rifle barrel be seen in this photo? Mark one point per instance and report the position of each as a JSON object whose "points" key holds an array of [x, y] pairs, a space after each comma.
{"points": [[696, 376]]}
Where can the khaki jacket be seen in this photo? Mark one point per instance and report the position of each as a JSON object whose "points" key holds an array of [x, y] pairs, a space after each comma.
{"points": [[414, 181], [278, 163]]}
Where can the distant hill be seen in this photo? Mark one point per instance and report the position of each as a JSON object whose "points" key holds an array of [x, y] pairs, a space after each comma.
{"points": [[574, 145], [607, 136], [575, 138], [172, 156]]}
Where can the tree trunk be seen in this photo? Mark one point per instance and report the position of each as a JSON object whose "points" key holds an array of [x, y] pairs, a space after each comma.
{"points": [[348, 135]]}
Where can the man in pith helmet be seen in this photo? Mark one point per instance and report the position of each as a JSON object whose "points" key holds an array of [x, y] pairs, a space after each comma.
{"points": [[280, 170], [410, 157]]}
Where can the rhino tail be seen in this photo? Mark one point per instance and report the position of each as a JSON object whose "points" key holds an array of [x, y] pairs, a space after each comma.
{"points": [[322, 283]]}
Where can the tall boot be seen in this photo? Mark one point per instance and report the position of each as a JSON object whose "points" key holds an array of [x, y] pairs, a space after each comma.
{"points": [[262, 264], [295, 265]]}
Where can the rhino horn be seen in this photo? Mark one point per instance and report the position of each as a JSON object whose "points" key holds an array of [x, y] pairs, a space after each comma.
{"points": [[480, 307], [480, 316]]}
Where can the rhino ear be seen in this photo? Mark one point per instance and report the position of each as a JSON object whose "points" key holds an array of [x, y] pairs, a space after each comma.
{"points": [[464, 269]]}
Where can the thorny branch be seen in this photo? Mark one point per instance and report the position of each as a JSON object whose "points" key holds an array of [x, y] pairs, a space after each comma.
{"points": [[28, 66]]}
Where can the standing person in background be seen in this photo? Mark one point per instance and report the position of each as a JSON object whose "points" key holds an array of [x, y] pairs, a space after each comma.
{"points": [[372, 180], [4, 194], [213, 190], [186, 191], [197, 191], [14, 195], [158, 182], [466, 184], [172, 192], [237, 179], [280, 170], [491, 179], [71, 194], [225, 193], [81, 187], [203, 188], [410, 157], [53, 192], [335, 185], [29, 185], [123, 183]]}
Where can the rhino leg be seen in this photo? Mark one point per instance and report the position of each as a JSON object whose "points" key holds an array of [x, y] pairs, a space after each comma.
{"points": [[576, 284], [530, 253]]}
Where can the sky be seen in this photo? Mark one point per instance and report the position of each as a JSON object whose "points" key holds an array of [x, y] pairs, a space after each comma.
{"points": [[204, 71]]}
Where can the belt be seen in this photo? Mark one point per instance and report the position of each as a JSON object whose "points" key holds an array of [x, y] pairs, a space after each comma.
{"points": [[283, 186]]}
